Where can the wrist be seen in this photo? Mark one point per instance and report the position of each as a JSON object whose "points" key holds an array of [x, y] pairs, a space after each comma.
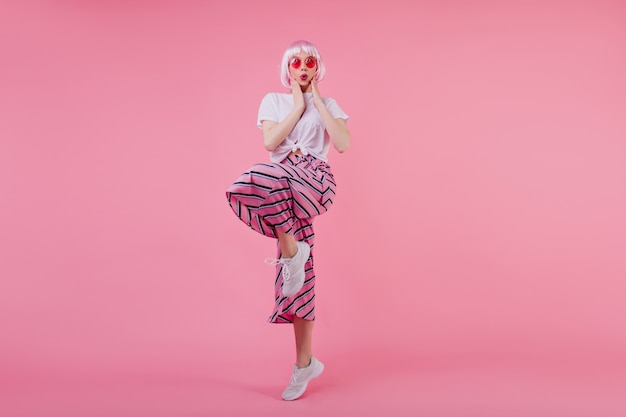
{"points": [[318, 102]]}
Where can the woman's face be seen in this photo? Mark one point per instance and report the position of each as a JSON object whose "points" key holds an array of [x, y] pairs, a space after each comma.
{"points": [[303, 67]]}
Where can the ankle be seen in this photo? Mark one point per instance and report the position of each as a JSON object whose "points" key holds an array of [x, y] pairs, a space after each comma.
{"points": [[288, 245], [288, 249], [304, 363]]}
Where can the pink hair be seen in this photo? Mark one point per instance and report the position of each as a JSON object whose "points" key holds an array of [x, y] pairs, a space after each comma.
{"points": [[294, 49]]}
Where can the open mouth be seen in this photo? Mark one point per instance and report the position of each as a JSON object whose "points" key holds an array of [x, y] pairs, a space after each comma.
{"points": [[304, 77]]}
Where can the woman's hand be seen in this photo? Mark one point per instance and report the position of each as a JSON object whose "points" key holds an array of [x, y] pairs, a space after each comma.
{"points": [[317, 98], [298, 97], [336, 128], [275, 133]]}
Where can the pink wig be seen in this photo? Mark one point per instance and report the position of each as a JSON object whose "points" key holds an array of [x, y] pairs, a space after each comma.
{"points": [[294, 49]]}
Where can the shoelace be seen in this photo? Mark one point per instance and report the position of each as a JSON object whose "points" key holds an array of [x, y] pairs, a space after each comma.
{"points": [[281, 261], [294, 376]]}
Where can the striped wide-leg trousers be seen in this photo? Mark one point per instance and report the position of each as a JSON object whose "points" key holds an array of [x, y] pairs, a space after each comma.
{"points": [[286, 196]]}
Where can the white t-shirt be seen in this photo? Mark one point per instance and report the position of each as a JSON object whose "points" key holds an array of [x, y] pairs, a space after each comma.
{"points": [[309, 134]]}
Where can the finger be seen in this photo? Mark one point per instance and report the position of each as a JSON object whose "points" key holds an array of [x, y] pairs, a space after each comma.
{"points": [[314, 84]]}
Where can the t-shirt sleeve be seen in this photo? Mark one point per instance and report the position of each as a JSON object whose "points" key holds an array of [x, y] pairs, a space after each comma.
{"points": [[268, 110], [335, 110]]}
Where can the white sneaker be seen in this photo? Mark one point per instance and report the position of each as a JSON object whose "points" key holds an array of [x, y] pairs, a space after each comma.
{"points": [[293, 269], [301, 378]]}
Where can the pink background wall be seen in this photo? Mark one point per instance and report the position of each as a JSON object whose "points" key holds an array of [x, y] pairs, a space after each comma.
{"points": [[480, 209]]}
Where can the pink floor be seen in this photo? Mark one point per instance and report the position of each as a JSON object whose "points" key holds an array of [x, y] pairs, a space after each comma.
{"points": [[359, 384]]}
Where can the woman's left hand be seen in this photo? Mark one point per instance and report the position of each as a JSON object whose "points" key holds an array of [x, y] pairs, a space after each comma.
{"points": [[317, 98], [336, 127]]}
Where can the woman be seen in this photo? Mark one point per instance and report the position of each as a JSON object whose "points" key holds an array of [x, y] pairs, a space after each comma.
{"points": [[280, 199]]}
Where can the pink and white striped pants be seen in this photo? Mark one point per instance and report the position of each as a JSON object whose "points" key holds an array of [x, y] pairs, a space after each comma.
{"points": [[286, 196]]}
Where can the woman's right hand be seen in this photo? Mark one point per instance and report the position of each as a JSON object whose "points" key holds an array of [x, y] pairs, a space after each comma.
{"points": [[275, 133], [298, 96]]}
